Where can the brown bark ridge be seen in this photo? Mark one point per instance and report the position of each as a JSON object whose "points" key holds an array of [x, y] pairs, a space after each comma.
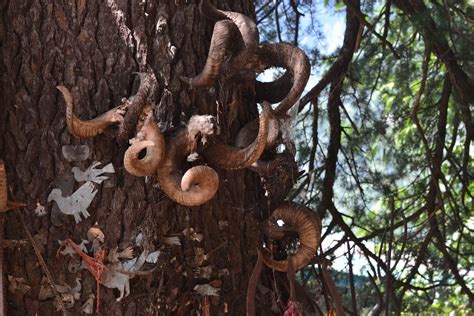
{"points": [[93, 48]]}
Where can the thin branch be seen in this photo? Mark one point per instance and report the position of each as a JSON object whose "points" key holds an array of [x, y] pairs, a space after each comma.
{"points": [[277, 21], [371, 28]]}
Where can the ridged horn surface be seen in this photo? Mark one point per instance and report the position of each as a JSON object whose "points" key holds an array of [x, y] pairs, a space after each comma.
{"points": [[308, 226], [221, 45], [200, 183], [247, 27], [294, 60], [90, 128], [146, 88], [250, 131], [230, 157], [153, 143]]}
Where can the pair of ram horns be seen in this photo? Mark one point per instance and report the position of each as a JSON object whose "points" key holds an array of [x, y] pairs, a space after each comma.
{"points": [[198, 185], [90, 128], [165, 157], [236, 36], [299, 220], [125, 114]]}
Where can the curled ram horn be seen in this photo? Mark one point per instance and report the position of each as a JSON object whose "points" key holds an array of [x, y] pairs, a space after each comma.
{"points": [[148, 85], [93, 127], [250, 131], [305, 223], [200, 183], [295, 61], [151, 140], [230, 157], [234, 40], [247, 27], [222, 45], [5, 204]]}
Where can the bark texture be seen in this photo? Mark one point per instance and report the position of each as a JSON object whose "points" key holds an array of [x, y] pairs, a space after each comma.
{"points": [[92, 48]]}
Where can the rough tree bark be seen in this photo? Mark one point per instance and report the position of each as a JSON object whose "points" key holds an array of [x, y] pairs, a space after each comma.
{"points": [[93, 48]]}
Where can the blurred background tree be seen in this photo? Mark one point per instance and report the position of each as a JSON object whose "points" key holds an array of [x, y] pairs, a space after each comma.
{"points": [[384, 136]]}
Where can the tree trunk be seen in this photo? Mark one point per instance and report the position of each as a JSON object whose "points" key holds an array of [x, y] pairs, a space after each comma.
{"points": [[93, 49]]}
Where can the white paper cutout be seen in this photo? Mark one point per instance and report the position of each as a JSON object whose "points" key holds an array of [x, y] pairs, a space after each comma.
{"points": [[121, 281], [92, 173], [77, 203]]}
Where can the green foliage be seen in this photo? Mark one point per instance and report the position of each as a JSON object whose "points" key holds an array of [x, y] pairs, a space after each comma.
{"points": [[384, 167]]}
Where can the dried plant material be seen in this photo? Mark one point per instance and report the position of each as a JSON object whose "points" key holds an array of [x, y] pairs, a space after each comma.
{"points": [[5, 204], [206, 290], [93, 127], [40, 210], [77, 203], [18, 284], [171, 240], [297, 219], [88, 306], [75, 153], [192, 234], [92, 173]]}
